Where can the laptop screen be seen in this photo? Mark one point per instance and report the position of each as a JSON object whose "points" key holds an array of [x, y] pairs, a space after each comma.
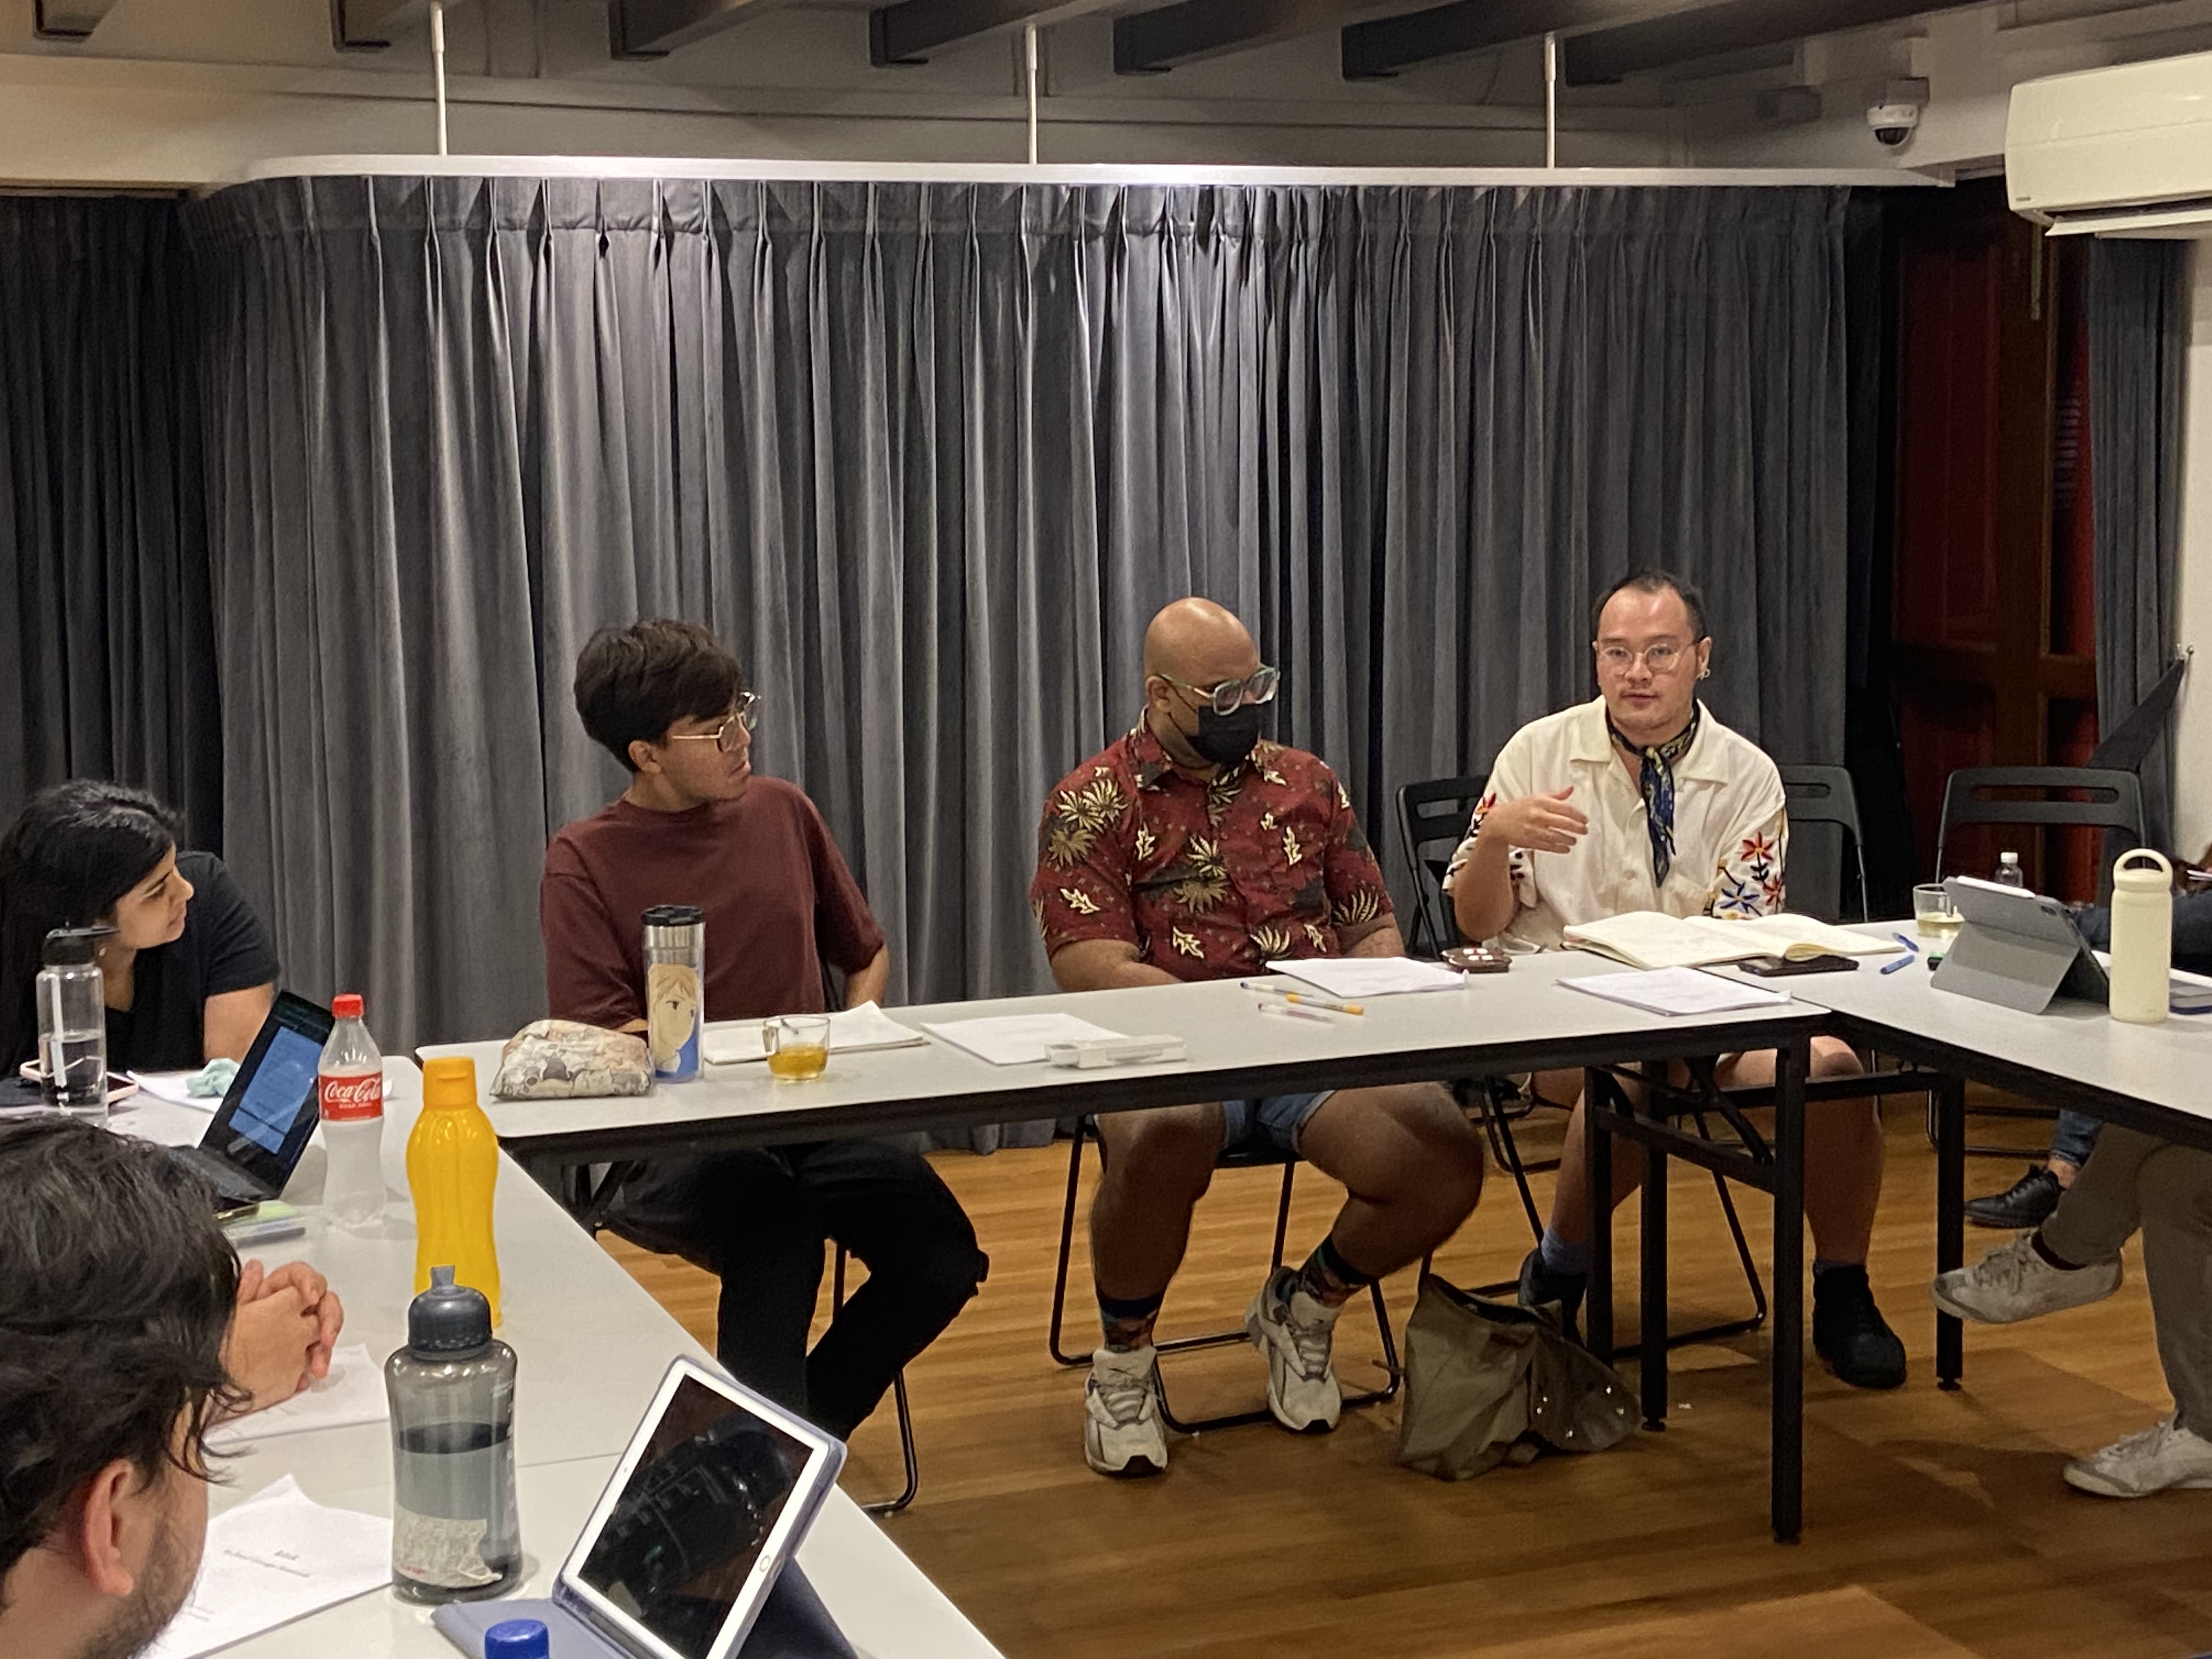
{"points": [[271, 1109], [684, 1537]]}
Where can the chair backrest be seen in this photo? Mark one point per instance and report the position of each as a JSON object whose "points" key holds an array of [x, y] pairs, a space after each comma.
{"points": [[1432, 823], [2101, 799], [1823, 795]]}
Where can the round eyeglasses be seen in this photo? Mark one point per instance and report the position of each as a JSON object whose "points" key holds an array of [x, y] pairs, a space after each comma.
{"points": [[1659, 659], [1229, 696], [744, 718]]}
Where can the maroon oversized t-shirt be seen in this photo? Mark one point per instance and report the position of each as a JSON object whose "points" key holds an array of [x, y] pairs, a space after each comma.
{"points": [[778, 898]]}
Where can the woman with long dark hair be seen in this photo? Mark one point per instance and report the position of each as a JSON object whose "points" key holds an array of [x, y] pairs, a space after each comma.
{"points": [[190, 973]]}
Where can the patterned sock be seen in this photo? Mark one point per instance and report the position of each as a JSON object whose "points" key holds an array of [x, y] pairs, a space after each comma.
{"points": [[1561, 1257], [1329, 1278], [1129, 1321]]}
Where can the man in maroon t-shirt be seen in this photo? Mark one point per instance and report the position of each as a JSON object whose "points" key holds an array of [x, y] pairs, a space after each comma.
{"points": [[697, 827], [1193, 849]]}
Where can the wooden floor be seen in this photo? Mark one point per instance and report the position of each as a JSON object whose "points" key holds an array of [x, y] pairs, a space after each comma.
{"points": [[1935, 1524]]}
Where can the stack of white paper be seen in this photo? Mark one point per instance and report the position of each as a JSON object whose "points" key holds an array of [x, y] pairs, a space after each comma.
{"points": [[352, 1393], [1016, 1039], [1353, 977], [733, 1042], [277, 1557], [1678, 991]]}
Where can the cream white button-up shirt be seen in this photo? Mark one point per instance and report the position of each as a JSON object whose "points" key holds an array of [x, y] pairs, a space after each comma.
{"points": [[1731, 831]]}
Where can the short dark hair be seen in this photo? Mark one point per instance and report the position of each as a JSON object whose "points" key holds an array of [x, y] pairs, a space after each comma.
{"points": [[633, 683], [116, 1293], [1655, 582], [74, 850]]}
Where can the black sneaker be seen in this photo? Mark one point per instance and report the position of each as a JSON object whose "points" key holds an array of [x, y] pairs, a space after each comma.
{"points": [[1540, 1288], [1849, 1333], [2021, 1207]]}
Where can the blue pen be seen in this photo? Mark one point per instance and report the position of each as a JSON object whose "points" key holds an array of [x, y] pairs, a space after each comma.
{"points": [[1906, 943], [1902, 962]]}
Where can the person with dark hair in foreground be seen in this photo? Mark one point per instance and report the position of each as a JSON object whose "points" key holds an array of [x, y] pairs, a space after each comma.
{"points": [[697, 827], [1190, 850], [191, 974], [127, 1329], [1639, 799]]}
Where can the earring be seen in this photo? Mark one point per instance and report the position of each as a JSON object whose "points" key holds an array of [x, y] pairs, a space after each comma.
{"points": [[1705, 673]]}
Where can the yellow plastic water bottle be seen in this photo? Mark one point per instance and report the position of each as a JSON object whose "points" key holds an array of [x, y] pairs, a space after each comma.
{"points": [[453, 1165]]}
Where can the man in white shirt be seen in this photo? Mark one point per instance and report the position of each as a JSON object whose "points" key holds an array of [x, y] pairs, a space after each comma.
{"points": [[1641, 800]]}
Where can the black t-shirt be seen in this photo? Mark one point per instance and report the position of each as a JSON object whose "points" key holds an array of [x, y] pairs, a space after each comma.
{"points": [[224, 947]]}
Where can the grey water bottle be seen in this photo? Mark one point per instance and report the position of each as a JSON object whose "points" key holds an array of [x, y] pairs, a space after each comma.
{"points": [[455, 1534], [72, 997]]}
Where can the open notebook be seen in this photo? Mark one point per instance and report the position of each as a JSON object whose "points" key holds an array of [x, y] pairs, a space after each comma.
{"points": [[1648, 938]]}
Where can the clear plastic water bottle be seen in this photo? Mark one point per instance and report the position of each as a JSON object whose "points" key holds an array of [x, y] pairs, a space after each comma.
{"points": [[350, 1086], [72, 997], [2008, 870], [455, 1534]]}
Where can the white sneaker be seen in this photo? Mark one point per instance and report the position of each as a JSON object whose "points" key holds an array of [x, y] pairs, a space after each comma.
{"points": [[2013, 1283], [2162, 1455], [1294, 1331], [1122, 1428]]}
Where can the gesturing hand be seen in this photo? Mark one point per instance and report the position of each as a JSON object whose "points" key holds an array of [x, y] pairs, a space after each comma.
{"points": [[1541, 824]]}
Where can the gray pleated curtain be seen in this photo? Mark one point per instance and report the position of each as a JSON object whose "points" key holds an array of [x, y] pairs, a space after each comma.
{"points": [[928, 457], [106, 655]]}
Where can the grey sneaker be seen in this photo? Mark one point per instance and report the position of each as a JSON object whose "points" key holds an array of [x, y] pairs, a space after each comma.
{"points": [[2013, 1283], [1295, 1332], [1122, 1433], [2162, 1455]]}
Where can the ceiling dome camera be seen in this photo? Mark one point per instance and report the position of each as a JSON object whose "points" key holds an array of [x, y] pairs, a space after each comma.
{"points": [[1892, 123]]}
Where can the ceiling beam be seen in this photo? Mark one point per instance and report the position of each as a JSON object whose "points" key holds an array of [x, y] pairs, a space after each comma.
{"points": [[1386, 44], [68, 20], [653, 28], [908, 31], [1711, 30], [369, 25], [1151, 42]]}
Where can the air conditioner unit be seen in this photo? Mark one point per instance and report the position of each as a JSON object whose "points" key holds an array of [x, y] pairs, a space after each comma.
{"points": [[2115, 152]]}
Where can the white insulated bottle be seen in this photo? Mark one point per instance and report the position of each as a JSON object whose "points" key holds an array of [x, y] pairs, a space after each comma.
{"points": [[2142, 936]]}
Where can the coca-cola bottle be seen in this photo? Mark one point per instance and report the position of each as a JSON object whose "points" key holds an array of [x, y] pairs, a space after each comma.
{"points": [[351, 1090]]}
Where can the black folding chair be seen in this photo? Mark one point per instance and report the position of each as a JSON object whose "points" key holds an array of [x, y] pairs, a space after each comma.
{"points": [[2096, 798], [1432, 820], [1823, 795]]}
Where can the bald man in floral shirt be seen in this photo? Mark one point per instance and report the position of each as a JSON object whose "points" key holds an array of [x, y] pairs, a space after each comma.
{"points": [[1190, 850]]}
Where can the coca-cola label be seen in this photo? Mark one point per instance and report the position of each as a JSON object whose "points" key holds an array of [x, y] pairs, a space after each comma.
{"points": [[350, 1099]]}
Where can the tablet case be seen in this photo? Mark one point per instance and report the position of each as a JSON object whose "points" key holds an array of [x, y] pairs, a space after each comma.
{"points": [[792, 1625], [2016, 949]]}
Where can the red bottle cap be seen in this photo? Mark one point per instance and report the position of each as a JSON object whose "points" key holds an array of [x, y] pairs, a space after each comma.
{"points": [[346, 1007]]}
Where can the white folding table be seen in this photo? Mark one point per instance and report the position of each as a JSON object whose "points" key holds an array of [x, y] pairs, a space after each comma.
{"points": [[591, 1346]]}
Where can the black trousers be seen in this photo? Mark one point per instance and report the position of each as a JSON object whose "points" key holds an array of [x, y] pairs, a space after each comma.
{"points": [[761, 1220]]}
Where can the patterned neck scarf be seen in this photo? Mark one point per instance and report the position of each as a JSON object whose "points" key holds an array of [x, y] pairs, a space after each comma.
{"points": [[1657, 778]]}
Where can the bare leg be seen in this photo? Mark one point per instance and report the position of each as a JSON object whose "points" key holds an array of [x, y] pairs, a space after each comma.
{"points": [[1157, 1166], [1412, 1167]]}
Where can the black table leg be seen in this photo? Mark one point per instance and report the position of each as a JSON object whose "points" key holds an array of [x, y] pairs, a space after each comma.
{"points": [[1653, 1343], [1950, 1097], [1597, 1164], [1791, 1061]]}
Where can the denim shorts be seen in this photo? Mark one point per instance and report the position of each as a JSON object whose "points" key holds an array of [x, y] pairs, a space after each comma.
{"points": [[1275, 1120]]}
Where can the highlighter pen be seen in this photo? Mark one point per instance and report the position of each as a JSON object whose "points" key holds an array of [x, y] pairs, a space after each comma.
{"points": [[1282, 1011], [1310, 1001]]}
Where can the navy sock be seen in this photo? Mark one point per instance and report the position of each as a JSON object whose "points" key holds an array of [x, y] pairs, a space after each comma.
{"points": [[1572, 1260]]}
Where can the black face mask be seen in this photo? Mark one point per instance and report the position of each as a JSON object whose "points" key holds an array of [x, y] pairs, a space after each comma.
{"points": [[1225, 739]]}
